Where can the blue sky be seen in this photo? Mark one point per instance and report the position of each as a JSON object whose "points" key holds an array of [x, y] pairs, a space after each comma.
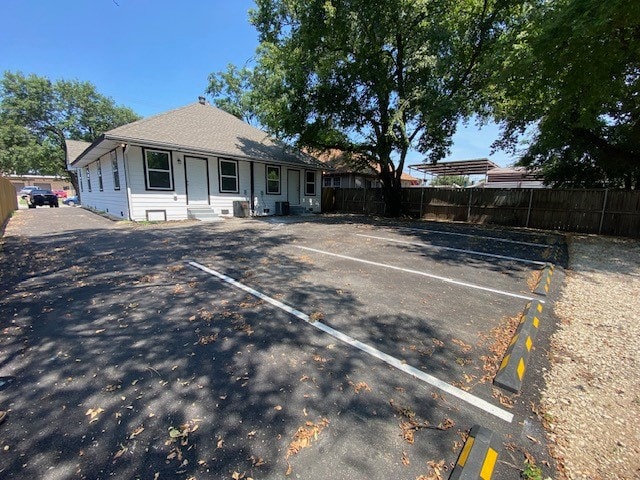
{"points": [[152, 55]]}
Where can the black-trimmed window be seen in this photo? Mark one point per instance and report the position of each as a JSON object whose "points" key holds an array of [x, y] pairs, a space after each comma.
{"points": [[327, 181], [228, 175], [88, 178], [158, 171], [79, 170], [273, 180], [114, 169], [309, 183], [337, 181], [100, 184]]}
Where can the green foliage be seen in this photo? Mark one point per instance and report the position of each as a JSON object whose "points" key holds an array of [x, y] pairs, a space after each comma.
{"points": [[371, 78], [459, 180], [21, 153], [567, 80], [37, 115], [232, 92], [531, 472]]}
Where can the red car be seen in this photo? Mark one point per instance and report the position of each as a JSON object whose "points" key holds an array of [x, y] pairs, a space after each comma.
{"points": [[60, 193]]}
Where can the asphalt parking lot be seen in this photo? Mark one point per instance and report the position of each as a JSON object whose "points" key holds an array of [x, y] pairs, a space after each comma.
{"points": [[334, 347]]}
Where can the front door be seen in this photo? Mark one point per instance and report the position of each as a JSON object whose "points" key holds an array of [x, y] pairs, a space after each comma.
{"points": [[197, 180], [293, 187]]}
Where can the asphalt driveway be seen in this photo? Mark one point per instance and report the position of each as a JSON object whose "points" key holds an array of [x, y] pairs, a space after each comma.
{"points": [[120, 359]]}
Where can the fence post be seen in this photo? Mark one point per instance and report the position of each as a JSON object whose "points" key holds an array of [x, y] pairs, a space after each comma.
{"points": [[421, 200], [469, 206], [604, 206], [364, 200], [529, 210]]}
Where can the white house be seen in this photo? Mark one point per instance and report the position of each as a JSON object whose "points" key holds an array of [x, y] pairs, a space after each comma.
{"points": [[194, 162]]}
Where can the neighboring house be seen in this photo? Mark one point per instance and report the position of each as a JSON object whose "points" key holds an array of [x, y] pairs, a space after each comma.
{"points": [[194, 162], [46, 182], [345, 176], [515, 177]]}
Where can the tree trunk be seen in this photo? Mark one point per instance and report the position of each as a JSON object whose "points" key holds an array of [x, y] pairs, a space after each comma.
{"points": [[73, 176], [393, 200]]}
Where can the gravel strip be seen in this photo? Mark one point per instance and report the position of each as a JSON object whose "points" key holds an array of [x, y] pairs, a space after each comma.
{"points": [[592, 398]]}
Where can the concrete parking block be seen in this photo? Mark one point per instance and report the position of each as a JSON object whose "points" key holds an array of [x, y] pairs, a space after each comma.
{"points": [[544, 284], [478, 457], [514, 363]]}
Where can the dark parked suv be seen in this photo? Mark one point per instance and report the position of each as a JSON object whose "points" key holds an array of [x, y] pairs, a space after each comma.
{"points": [[41, 198]]}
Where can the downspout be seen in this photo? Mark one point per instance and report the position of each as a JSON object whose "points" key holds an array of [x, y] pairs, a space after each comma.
{"points": [[125, 159], [252, 188]]}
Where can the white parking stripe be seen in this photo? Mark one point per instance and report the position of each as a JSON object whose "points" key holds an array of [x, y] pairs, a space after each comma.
{"points": [[394, 362], [452, 249], [495, 239], [424, 274]]}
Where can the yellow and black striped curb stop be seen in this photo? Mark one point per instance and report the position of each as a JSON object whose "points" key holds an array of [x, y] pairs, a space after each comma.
{"points": [[545, 280], [478, 457], [514, 363]]}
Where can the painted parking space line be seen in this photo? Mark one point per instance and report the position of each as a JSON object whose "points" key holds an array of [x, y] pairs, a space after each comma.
{"points": [[452, 249], [424, 274], [482, 237], [388, 359]]}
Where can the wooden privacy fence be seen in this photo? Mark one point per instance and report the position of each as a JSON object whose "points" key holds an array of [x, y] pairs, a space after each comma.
{"points": [[610, 212], [8, 200]]}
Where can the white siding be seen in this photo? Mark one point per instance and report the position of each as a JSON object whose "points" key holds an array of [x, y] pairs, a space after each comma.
{"points": [[109, 200], [222, 203], [311, 203], [172, 204], [266, 203]]}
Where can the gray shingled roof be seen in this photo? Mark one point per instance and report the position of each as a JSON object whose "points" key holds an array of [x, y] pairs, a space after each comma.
{"points": [[201, 128], [74, 149]]}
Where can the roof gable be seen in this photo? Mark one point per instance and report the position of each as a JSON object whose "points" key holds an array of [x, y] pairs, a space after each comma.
{"points": [[74, 149], [204, 128]]}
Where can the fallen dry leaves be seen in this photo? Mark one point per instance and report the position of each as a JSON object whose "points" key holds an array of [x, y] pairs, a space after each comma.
{"points": [[302, 439], [437, 469], [207, 339], [533, 279], [501, 337], [463, 346], [504, 400], [93, 413], [411, 425], [358, 387], [179, 437]]}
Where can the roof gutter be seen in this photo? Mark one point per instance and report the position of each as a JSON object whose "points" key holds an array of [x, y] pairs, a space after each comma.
{"points": [[185, 149]]}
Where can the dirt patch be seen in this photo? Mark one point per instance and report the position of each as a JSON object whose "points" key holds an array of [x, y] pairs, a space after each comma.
{"points": [[592, 402]]}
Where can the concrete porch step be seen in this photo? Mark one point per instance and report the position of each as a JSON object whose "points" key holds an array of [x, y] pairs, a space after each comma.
{"points": [[204, 214]]}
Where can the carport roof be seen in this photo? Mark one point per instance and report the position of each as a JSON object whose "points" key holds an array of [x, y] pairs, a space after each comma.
{"points": [[198, 128], [479, 166]]}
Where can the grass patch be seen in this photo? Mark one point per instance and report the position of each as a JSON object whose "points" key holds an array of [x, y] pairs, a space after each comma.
{"points": [[531, 472]]}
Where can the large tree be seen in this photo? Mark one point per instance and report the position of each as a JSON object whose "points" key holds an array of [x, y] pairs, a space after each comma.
{"points": [[38, 115], [567, 85], [372, 78], [232, 91]]}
